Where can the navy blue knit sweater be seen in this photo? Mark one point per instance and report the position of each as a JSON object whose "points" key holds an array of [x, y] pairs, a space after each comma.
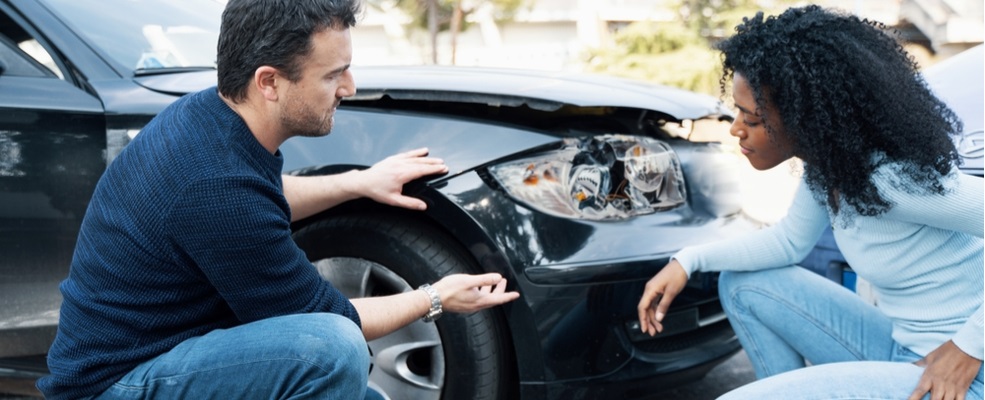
{"points": [[188, 231]]}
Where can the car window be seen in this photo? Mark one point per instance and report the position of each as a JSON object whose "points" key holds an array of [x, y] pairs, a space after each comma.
{"points": [[147, 34], [21, 54], [13, 61]]}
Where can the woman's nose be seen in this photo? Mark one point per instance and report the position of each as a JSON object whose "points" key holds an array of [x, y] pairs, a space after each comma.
{"points": [[737, 129]]}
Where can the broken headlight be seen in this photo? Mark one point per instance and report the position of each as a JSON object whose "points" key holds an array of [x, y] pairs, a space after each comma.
{"points": [[604, 177]]}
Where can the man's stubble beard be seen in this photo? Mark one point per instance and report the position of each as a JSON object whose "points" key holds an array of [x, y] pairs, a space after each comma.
{"points": [[301, 121]]}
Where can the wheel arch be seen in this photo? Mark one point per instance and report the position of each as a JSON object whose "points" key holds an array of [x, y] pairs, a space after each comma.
{"points": [[446, 216]]}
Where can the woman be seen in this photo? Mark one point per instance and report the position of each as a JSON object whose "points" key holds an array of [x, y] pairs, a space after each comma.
{"points": [[842, 95]]}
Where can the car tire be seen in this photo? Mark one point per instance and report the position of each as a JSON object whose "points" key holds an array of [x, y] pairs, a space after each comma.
{"points": [[376, 254]]}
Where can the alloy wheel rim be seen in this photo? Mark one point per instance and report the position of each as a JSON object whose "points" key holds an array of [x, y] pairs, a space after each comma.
{"points": [[406, 364]]}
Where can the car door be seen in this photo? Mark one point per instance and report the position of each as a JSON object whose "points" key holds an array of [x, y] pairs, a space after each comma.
{"points": [[52, 142]]}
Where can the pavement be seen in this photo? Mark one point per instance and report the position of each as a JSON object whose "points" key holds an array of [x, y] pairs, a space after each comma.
{"points": [[18, 389], [731, 374]]}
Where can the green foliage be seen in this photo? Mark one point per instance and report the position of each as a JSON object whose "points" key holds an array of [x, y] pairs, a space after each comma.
{"points": [[711, 18], [677, 53], [668, 55], [652, 37]]}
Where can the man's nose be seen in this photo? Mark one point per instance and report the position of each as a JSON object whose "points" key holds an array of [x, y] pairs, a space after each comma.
{"points": [[348, 86]]}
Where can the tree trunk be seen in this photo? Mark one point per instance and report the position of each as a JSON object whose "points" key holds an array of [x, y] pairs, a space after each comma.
{"points": [[433, 29], [456, 23]]}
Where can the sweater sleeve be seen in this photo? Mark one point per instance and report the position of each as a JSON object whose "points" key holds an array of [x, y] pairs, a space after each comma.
{"points": [[971, 337], [783, 244], [959, 209], [236, 231]]}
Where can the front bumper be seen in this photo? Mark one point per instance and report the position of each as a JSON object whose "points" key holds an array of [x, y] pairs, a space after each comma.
{"points": [[575, 327]]}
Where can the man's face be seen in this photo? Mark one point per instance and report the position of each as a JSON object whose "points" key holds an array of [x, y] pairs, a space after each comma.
{"points": [[310, 103]]}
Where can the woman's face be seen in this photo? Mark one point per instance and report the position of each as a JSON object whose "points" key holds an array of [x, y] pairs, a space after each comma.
{"points": [[749, 127]]}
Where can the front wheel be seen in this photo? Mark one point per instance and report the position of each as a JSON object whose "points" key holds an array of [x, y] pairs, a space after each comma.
{"points": [[458, 357]]}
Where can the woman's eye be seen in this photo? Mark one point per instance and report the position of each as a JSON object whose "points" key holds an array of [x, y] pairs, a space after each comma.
{"points": [[751, 124]]}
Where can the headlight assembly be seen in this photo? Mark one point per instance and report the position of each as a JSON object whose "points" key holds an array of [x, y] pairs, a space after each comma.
{"points": [[606, 177]]}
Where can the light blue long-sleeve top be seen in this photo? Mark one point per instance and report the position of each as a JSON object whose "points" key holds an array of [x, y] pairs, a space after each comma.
{"points": [[923, 256]]}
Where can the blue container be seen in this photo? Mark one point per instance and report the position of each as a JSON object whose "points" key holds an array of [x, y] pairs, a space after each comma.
{"points": [[826, 260]]}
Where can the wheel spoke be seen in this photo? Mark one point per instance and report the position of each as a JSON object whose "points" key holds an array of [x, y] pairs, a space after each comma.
{"points": [[411, 363], [349, 275]]}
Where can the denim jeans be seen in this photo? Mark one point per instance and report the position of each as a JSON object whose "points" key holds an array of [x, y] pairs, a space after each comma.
{"points": [[303, 356], [788, 317]]}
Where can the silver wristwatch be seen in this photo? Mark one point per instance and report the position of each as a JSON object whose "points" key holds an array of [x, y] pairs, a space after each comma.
{"points": [[435, 312]]}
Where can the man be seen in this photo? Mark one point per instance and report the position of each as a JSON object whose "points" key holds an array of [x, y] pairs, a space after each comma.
{"points": [[185, 282]]}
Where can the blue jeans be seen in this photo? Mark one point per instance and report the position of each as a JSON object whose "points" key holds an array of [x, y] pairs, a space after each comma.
{"points": [[787, 317], [303, 356]]}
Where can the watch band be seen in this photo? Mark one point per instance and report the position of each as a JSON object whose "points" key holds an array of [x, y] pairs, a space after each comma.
{"points": [[435, 312]]}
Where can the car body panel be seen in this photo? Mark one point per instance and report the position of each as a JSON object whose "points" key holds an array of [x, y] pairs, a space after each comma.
{"points": [[178, 83], [462, 145], [538, 89], [959, 82], [596, 296], [52, 137]]}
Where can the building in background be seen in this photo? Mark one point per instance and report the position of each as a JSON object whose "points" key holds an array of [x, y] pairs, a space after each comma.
{"points": [[557, 34]]}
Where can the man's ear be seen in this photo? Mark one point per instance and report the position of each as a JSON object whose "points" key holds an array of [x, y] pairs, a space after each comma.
{"points": [[266, 79]]}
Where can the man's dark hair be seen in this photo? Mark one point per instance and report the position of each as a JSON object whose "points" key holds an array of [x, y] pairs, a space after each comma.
{"points": [[275, 33], [849, 97]]}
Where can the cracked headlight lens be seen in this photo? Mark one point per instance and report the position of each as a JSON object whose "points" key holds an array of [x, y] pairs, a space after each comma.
{"points": [[607, 177]]}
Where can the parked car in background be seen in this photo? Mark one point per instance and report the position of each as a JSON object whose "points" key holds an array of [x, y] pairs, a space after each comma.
{"points": [[576, 188], [960, 82], [76, 78]]}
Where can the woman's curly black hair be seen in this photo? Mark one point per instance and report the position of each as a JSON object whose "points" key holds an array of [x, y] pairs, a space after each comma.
{"points": [[849, 97]]}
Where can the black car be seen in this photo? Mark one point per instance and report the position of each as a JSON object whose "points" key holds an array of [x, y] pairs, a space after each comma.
{"points": [[576, 188]]}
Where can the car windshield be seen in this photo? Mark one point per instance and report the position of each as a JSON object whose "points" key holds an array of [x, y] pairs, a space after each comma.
{"points": [[148, 34]]}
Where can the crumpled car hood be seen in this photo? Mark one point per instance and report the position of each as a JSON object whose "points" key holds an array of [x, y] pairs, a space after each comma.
{"points": [[538, 90]]}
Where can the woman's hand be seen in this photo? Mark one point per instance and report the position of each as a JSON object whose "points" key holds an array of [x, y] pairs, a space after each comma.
{"points": [[663, 287], [948, 373]]}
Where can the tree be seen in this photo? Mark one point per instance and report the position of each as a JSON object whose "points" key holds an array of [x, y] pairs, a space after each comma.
{"points": [[677, 53], [451, 15], [715, 19]]}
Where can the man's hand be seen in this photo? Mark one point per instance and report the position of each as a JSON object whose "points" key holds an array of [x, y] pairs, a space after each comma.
{"points": [[666, 285], [948, 373], [462, 293], [384, 181]]}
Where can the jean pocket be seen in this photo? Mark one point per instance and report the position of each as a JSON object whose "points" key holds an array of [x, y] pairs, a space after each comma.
{"points": [[903, 354]]}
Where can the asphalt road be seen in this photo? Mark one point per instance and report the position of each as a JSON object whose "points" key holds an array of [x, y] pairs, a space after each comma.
{"points": [[735, 372], [18, 389]]}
